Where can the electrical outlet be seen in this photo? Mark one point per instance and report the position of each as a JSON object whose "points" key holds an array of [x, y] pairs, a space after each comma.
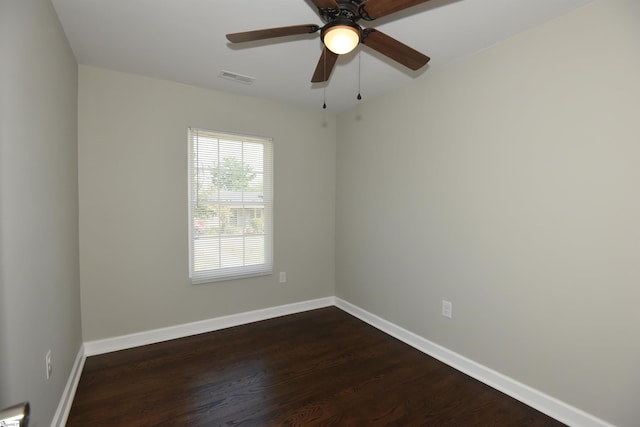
{"points": [[447, 309], [48, 362], [283, 277]]}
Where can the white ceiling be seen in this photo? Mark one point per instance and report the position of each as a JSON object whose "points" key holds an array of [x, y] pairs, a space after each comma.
{"points": [[184, 41]]}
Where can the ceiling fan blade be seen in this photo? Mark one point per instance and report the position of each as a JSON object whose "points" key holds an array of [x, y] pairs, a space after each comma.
{"points": [[325, 66], [325, 4], [394, 49], [269, 33], [378, 8]]}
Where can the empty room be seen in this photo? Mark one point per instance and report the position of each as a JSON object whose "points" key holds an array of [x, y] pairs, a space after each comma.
{"points": [[211, 215]]}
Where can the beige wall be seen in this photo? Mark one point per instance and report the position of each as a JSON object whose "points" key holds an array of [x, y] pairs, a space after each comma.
{"points": [[39, 288], [133, 203], [508, 185]]}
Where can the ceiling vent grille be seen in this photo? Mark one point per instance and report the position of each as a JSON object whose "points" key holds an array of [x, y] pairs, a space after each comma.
{"points": [[247, 80]]}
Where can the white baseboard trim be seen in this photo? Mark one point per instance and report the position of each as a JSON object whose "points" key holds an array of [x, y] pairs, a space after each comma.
{"points": [[92, 348], [544, 403], [64, 406]]}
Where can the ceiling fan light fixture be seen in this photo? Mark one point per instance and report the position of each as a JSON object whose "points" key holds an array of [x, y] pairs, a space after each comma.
{"points": [[341, 38]]}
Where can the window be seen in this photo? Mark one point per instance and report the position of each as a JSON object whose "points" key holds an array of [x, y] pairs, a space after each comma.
{"points": [[230, 206]]}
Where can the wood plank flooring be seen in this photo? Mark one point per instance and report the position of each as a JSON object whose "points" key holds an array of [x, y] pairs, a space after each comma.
{"points": [[318, 368]]}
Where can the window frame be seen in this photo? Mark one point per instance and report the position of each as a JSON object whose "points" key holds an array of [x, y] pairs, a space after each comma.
{"points": [[245, 270]]}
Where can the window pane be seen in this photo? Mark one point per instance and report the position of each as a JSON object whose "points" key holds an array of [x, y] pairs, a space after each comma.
{"points": [[230, 203]]}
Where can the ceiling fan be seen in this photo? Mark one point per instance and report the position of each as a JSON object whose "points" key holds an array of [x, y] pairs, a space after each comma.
{"points": [[342, 33]]}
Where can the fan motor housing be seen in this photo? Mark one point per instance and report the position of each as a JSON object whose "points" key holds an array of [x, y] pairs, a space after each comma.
{"points": [[347, 9]]}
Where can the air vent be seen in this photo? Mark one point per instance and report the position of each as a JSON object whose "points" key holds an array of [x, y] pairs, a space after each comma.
{"points": [[247, 80]]}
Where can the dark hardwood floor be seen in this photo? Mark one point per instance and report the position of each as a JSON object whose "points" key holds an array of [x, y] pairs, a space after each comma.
{"points": [[318, 368]]}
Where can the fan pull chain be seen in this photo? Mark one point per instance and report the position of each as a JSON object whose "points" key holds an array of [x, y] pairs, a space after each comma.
{"points": [[359, 97], [324, 98], [324, 90]]}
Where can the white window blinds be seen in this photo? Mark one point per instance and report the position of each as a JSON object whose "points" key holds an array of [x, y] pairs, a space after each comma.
{"points": [[230, 206]]}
